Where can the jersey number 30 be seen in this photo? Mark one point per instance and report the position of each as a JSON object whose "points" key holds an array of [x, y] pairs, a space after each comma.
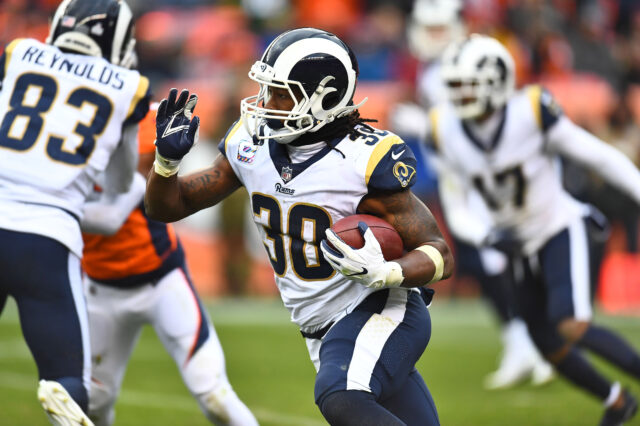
{"points": [[35, 114], [305, 225]]}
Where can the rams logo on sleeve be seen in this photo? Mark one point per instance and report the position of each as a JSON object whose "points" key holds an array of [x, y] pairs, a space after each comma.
{"points": [[392, 166], [403, 173]]}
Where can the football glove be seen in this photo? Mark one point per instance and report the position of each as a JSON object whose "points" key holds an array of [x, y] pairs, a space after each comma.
{"points": [[365, 265], [503, 241], [176, 130]]}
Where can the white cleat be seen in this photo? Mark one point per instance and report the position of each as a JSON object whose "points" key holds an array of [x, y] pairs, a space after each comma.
{"points": [[509, 374], [542, 373], [61, 409], [520, 360]]}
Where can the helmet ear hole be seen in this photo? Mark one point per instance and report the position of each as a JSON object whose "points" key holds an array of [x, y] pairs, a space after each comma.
{"points": [[330, 101]]}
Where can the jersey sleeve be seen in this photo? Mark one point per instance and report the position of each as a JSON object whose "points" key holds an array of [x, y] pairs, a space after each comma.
{"points": [[391, 166], [222, 146], [545, 108], [140, 102]]}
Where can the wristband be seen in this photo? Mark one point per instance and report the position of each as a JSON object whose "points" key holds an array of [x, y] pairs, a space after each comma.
{"points": [[394, 275], [436, 257], [165, 167]]}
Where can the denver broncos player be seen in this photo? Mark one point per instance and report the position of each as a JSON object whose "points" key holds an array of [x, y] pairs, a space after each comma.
{"points": [[135, 276], [307, 159], [68, 115], [506, 145]]}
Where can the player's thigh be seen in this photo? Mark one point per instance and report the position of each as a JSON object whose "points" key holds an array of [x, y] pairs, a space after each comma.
{"points": [[116, 317], [51, 305], [374, 348], [531, 298], [179, 317], [565, 269]]}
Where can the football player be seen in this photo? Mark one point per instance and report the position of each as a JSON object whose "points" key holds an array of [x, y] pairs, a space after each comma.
{"points": [[506, 145], [307, 159], [136, 274], [69, 110], [434, 24]]}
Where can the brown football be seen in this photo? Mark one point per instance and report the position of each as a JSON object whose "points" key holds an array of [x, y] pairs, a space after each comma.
{"points": [[387, 236]]}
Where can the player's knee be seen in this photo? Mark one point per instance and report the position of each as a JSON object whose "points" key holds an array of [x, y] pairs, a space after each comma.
{"points": [[571, 329], [59, 405], [101, 402], [354, 407], [338, 407], [215, 404]]}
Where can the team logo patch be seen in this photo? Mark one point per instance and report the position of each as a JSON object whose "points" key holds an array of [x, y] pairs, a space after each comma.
{"points": [[286, 174], [247, 152], [403, 173], [284, 190]]}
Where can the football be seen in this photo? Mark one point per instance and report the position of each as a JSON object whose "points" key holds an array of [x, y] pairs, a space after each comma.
{"points": [[387, 236]]}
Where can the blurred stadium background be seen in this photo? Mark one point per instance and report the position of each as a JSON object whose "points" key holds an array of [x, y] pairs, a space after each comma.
{"points": [[586, 52]]}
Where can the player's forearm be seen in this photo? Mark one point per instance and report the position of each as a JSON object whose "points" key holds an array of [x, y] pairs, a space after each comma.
{"points": [[162, 200], [573, 142], [420, 267]]}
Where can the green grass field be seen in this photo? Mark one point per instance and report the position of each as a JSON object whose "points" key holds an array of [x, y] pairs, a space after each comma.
{"points": [[269, 368]]}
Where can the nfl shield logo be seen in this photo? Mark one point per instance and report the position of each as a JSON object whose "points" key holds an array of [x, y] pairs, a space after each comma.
{"points": [[286, 174]]}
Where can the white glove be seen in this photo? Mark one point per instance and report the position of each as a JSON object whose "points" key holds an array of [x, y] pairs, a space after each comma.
{"points": [[365, 265], [409, 119]]}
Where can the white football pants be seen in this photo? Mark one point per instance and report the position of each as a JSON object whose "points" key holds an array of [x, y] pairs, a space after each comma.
{"points": [[171, 307]]}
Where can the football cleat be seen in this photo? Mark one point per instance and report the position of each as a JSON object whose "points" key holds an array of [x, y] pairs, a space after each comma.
{"points": [[617, 416], [61, 409], [520, 360]]}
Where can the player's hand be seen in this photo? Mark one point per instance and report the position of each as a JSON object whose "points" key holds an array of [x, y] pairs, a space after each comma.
{"points": [[365, 265], [176, 130], [504, 242]]}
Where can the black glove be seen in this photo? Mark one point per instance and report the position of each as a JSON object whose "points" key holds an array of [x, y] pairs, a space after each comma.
{"points": [[504, 241], [176, 130]]}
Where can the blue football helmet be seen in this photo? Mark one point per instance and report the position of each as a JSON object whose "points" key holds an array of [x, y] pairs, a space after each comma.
{"points": [[95, 28], [314, 64]]}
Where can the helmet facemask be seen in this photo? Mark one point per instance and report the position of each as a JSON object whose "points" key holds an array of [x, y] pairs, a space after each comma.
{"points": [[264, 123], [479, 76]]}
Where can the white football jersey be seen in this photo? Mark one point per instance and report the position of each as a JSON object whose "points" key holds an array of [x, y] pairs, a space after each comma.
{"points": [[294, 203], [519, 180], [61, 118]]}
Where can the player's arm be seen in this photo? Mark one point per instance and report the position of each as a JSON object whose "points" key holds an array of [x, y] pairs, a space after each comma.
{"points": [[109, 211], [428, 257], [573, 142], [390, 172], [168, 197]]}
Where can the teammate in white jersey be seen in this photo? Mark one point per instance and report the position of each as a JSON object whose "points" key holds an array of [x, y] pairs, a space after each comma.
{"points": [[136, 274], [307, 159], [507, 146], [68, 116], [434, 24]]}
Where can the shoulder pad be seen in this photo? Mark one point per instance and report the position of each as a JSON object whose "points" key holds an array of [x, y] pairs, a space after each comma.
{"points": [[6, 56], [545, 108], [391, 165], [140, 103], [433, 141]]}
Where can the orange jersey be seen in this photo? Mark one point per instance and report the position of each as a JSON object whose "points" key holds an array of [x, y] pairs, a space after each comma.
{"points": [[143, 249]]}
